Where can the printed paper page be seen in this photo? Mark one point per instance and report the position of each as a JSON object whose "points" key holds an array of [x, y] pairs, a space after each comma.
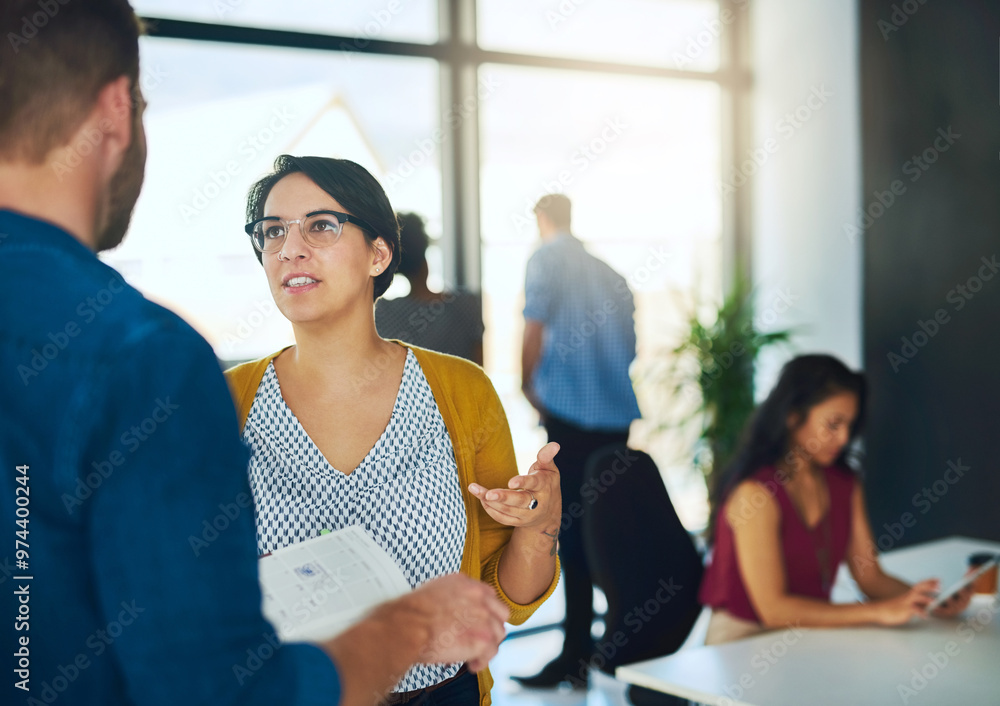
{"points": [[318, 588]]}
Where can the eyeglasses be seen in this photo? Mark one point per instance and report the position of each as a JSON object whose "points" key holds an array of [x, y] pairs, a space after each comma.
{"points": [[319, 229]]}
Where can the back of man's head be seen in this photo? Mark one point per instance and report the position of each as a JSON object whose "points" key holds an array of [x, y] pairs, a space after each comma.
{"points": [[55, 56], [555, 207]]}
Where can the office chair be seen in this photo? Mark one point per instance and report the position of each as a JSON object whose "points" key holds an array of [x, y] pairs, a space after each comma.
{"points": [[643, 560]]}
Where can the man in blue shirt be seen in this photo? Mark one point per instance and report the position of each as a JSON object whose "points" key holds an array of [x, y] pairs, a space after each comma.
{"points": [[579, 340], [119, 442]]}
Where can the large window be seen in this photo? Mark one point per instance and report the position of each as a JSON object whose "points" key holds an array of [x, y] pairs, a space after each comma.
{"points": [[467, 111], [218, 116], [638, 157], [361, 20], [679, 34]]}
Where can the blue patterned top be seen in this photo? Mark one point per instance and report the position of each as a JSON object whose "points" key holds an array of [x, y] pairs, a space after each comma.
{"points": [[405, 493], [586, 309]]}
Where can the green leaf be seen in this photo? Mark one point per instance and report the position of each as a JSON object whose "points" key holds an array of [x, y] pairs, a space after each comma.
{"points": [[716, 353]]}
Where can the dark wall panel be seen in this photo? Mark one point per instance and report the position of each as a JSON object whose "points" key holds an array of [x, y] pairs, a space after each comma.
{"points": [[931, 150]]}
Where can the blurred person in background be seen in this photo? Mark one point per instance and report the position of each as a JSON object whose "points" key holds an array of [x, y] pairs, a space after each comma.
{"points": [[447, 322], [579, 341], [790, 508], [118, 439]]}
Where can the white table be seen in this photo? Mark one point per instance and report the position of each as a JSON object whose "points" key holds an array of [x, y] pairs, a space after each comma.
{"points": [[925, 663]]}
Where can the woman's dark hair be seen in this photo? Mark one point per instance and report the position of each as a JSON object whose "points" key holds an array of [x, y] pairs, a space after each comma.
{"points": [[805, 382], [413, 242], [352, 185]]}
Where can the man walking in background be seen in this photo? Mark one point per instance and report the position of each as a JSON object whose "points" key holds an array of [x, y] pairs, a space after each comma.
{"points": [[579, 340]]}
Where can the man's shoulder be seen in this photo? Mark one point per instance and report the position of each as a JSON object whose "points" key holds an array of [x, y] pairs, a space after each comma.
{"points": [[123, 323], [133, 320], [549, 260], [104, 314]]}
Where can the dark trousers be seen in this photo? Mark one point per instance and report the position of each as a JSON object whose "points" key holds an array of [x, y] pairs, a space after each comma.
{"points": [[463, 691], [576, 446]]}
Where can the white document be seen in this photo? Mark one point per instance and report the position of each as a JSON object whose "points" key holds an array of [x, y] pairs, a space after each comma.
{"points": [[318, 588]]}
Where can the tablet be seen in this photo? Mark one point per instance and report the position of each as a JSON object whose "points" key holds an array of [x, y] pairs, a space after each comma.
{"points": [[963, 582]]}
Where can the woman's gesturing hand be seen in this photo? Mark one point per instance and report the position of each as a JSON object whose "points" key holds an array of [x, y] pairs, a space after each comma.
{"points": [[531, 500]]}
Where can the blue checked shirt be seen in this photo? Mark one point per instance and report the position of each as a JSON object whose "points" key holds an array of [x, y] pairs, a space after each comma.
{"points": [[139, 529], [586, 309]]}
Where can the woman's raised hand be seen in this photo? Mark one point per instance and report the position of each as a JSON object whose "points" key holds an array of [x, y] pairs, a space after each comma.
{"points": [[530, 500]]}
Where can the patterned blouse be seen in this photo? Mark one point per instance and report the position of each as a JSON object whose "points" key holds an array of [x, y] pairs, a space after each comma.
{"points": [[405, 493]]}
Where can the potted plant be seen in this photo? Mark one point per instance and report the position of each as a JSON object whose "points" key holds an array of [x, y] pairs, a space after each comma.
{"points": [[709, 378]]}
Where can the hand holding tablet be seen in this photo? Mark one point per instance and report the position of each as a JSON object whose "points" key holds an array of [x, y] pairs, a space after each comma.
{"points": [[964, 583]]}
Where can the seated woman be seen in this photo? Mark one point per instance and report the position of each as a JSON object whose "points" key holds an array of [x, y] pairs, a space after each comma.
{"points": [[346, 428], [789, 510]]}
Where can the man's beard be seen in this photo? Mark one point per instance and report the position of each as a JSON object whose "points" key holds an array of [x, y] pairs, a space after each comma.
{"points": [[123, 192]]}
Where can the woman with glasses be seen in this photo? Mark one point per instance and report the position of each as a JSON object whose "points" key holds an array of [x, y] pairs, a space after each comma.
{"points": [[346, 428]]}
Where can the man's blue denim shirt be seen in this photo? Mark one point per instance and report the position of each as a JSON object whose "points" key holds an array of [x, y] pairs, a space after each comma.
{"points": [[124, 496]]}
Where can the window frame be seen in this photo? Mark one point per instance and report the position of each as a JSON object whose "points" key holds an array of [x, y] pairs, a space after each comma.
{"points": [[459, 58]]}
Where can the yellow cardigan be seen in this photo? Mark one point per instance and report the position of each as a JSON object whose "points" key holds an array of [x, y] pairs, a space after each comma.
{"points": [[484, 453]]}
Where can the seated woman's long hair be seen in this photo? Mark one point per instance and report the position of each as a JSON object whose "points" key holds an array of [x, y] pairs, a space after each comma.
{"points": [[805, 381]]}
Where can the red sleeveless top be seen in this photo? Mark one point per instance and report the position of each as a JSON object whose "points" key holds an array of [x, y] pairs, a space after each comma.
{"points": [[803, 549]]}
